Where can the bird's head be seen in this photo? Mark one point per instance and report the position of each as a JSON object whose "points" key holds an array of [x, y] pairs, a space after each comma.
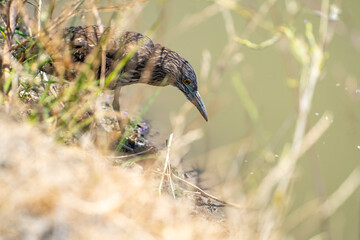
{"points": [[186, 82], [169, 68]]}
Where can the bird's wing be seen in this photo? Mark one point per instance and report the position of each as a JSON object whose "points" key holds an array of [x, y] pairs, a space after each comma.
{"points": [[83, 36]]}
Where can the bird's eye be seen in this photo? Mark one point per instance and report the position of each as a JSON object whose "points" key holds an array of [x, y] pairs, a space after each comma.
{"points": [[187, 81]]}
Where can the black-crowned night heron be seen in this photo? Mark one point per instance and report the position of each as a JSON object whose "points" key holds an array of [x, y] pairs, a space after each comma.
{"points": [[148, 63]]}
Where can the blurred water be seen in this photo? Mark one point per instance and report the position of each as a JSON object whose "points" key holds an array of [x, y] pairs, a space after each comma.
{"points": [[266, 75]]}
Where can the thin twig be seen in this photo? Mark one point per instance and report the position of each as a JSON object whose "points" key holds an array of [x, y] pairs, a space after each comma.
{"points": [[39, 15], [205, 194], [330, 205], [53, 25], [103, 48], [277, 173], [11, 11], [67, 16], [117, 7], [344, 191], [167, 168], [130, 155]]}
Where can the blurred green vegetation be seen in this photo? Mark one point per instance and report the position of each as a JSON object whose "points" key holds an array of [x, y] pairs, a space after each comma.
{"points": [[263, 87]]}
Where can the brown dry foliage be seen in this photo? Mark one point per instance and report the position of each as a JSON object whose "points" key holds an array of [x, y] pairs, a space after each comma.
{"points": [[59, 192]]}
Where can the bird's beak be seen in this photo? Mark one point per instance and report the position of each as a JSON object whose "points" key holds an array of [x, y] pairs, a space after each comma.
{"points": [[197, 101]]}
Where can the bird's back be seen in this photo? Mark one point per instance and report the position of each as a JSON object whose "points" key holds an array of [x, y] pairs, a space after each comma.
{"points": [[83, 41]]}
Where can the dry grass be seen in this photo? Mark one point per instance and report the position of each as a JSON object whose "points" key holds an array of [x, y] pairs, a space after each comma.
{"points": [[59, 192]]}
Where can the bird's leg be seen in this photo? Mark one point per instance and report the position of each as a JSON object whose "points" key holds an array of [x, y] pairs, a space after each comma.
{"points": [[116, 104]]}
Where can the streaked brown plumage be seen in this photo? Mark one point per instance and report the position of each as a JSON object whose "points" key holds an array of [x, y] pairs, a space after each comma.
{"points": [[151, 63]]}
